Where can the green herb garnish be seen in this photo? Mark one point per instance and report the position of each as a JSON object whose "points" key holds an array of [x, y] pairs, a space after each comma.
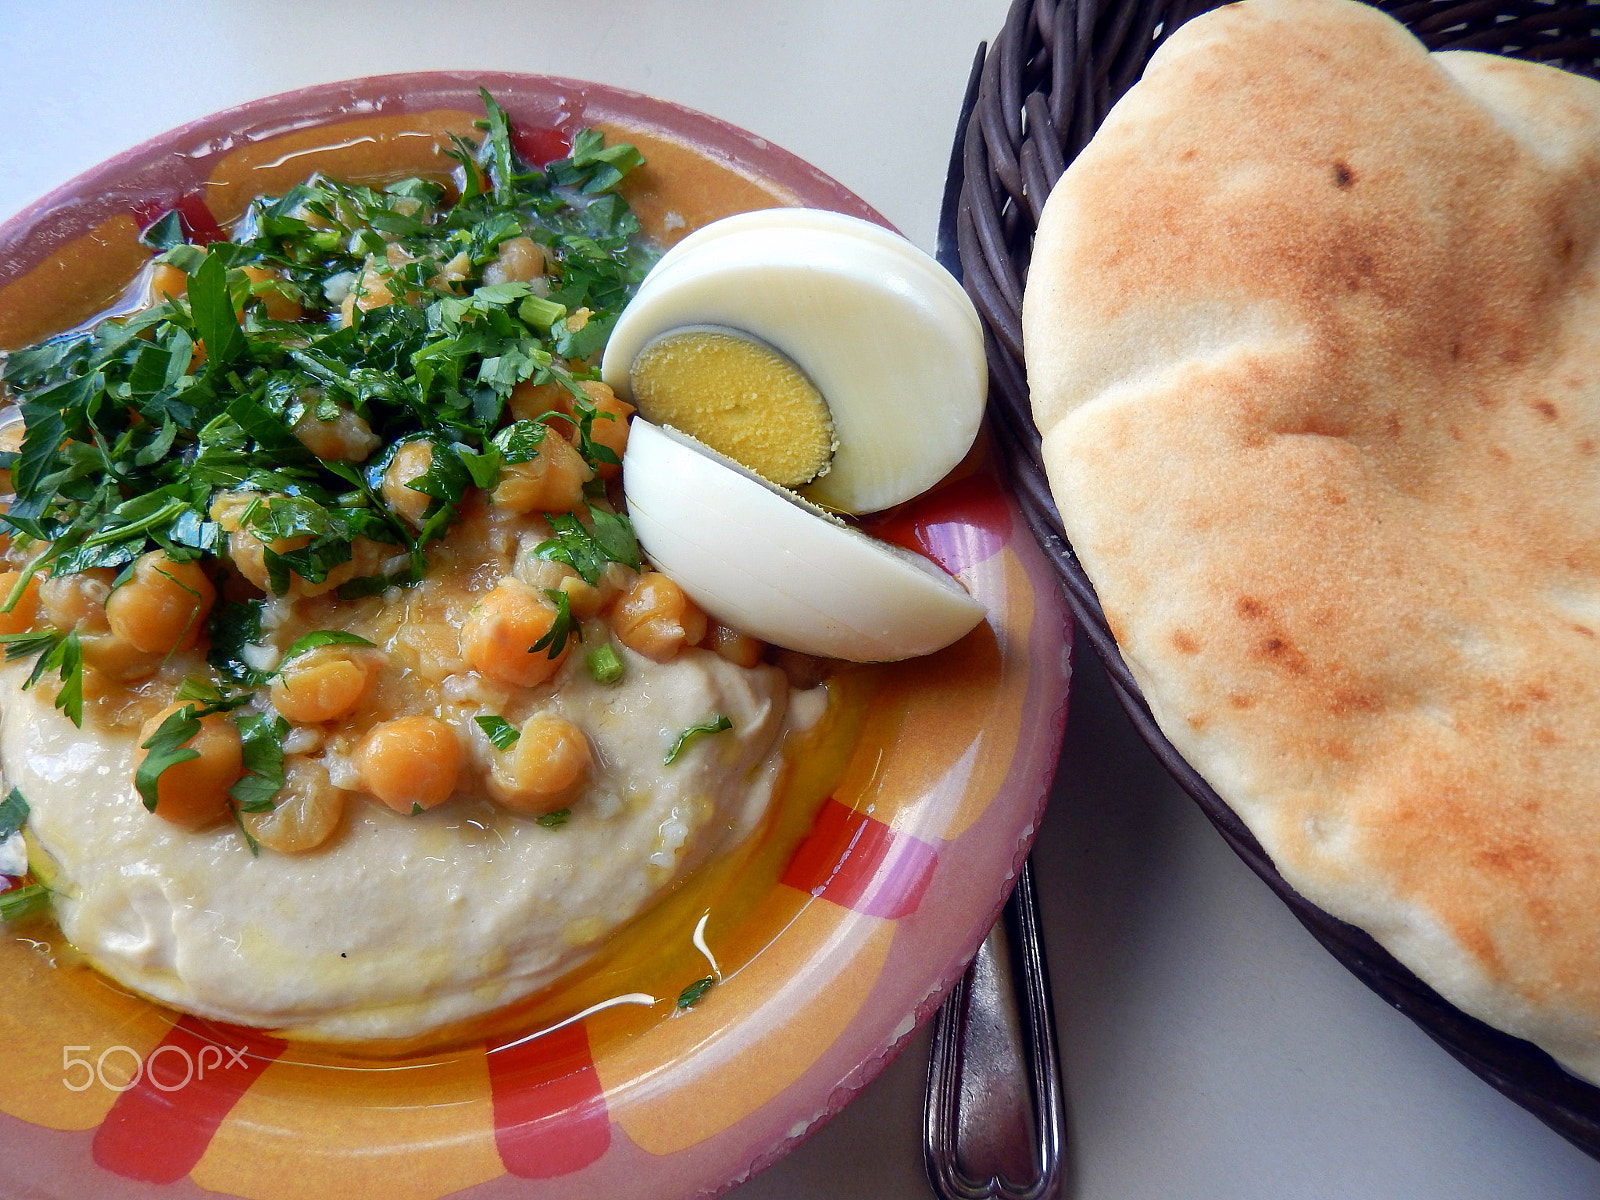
{"points": [[561, 628], [134, 427], [59, 652], [695, 992], [590, 549], [715, 725], [552, 820], [320, 637], [262, 737], [502, 734], [13, 813], [166, 749]]}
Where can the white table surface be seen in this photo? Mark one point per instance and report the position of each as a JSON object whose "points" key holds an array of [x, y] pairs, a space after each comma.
{"points": [[1211, 1050]]}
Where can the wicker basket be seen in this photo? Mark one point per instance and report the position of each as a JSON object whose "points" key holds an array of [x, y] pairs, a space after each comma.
{"points": [[1046, 85]]}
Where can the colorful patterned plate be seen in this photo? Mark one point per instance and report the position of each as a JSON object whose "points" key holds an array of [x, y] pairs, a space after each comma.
{"points": [[838, 932]]}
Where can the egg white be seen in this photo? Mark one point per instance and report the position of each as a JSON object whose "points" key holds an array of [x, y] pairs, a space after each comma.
{"points": [[758, 561]]}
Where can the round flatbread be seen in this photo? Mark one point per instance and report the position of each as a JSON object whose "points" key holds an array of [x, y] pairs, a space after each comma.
{"points": [[1313, 338]]}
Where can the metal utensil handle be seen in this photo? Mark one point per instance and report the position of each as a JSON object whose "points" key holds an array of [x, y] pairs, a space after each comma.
{"points": [[994, 1125]]}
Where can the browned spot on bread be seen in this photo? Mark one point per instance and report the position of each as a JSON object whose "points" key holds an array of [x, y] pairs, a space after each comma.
{"points": [[1240, 701], [1349, 701], [1250, 608], [1184, 644], [1583, 629], [1281, 652], [1547, 410], [1343, 176]]}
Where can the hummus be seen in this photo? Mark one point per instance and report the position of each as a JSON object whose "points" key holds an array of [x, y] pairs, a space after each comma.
{"points": [[403, 924]]}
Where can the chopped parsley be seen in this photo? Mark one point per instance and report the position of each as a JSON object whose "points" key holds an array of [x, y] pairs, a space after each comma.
{"points": [[204, 421], [59, 652], [13, 813], [166, 747], [590, 549], [695, 992], [553, 820], [318, 638], [715, 725], [561, 628], [502, 734], [133, 428]]}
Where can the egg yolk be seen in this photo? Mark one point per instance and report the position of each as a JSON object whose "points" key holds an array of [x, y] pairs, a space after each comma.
{"points": [[741, 398]]}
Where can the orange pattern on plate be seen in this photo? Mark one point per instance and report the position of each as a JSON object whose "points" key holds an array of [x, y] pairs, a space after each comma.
{"points": [[746, 1019], [72, 1012], [291, 1136], [73, 283]]}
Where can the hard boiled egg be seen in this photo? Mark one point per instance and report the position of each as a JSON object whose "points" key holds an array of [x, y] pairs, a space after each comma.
{"points": [[885, 338], [758, 560]]}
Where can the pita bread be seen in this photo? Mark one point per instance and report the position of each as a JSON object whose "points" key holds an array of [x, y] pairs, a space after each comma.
{"points": [[1313, 337]]}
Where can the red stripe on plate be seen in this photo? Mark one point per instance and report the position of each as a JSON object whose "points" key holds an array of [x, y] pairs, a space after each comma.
{"points": [[861, 864], [159, 1128], [550, 1114]]}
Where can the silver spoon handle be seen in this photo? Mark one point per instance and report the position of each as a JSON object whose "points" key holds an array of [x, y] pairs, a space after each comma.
{"points": [[994, 1123]]}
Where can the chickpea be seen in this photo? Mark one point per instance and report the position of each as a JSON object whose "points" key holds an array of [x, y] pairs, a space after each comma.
{"points": [[163, 607], [410, 761], [346, 438], [583, 598], [322, 684], [410, 461], [738, 648], [452, 274], [521, 261], [372, 288], [115, 660], [530, 401], [245, 551], [167, 282], [307, 810], [193, 793], [615, 581], [265, 286], [77, 601], [498, 636], [21, 618], [656, 618], [540, 573], [551, 481], [544, 769], [610, 425]]}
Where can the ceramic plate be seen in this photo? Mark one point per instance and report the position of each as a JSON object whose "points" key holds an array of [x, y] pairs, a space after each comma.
{"points": [[846, 920]]}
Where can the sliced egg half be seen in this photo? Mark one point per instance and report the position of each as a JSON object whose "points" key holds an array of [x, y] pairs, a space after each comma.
{"points": [[886, 336], [757, 560]]}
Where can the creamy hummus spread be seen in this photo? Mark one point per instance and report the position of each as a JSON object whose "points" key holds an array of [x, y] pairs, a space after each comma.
{"points": [[404, 923]]}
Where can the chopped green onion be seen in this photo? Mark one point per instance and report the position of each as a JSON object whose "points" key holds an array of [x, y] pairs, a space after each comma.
{"points": [[605, 664]]}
